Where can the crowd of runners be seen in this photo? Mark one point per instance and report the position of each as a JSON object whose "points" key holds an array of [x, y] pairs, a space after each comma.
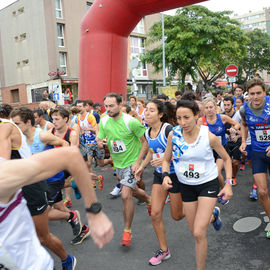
{"points": [[196, 146]]}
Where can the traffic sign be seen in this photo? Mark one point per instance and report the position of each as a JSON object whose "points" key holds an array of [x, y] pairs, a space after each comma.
{"points": [[231, 70], [56, 96], [232, 79]]}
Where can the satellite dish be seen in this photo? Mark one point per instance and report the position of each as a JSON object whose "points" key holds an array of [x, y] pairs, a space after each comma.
{"points": [[134, 63]]}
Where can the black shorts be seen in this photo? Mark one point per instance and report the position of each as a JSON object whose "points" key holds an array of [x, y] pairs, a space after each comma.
{"points": [[175, 182], [54, 192], [191, 193], [36, 197], [233, 150]]}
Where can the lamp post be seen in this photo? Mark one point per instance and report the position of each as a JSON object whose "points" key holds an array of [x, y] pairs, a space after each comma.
{"points": [[163, 52]]}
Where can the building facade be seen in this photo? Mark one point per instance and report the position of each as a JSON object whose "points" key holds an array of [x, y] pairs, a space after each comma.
{"points": [[39, 50]]}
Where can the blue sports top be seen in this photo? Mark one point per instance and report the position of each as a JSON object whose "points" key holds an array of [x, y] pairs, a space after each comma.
{"points": [[259, 126], [37, 145]]}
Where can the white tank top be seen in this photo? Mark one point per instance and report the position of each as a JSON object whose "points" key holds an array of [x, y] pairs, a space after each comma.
{"points": [[19, 244], [194, 163]]}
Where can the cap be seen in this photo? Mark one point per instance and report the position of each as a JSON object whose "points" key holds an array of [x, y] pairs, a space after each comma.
{"points": [[96, 104], [162, 96]]}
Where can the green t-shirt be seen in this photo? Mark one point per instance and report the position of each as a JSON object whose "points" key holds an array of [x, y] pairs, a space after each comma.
{"points": [[123, 138]]}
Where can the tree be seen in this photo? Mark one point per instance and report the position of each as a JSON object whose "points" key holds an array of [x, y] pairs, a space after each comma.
{"points": [[257, 57], [199, 41]]}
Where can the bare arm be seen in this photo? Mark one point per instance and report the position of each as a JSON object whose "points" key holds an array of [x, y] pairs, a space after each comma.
{"points": [[47, 164], [74, 138], [5, 140], [244, 134], [139, 171], [48, 138], [167, 182], [142, 154]]}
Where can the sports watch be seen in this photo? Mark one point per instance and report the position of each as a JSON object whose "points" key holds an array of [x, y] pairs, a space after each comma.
{"points": [[229, 181], [95, 208], [165, 174]]}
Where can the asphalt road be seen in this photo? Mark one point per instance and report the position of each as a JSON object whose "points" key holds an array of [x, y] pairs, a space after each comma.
{"points": [[227, 249]]}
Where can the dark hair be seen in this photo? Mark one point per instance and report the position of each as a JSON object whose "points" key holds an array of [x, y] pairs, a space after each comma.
{"points": [[189, 95], [219, 92], [190, 103], [241, 98], [228, 98], [114, 95], [25, 114], [89, 102], [130, 97], [61, 111], [75, 110], [5, 110], [39, 112], [241, 87], [128, 108], [80, 101], [178, 93], [256, 82]]}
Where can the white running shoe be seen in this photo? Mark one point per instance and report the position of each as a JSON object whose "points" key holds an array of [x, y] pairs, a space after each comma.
{"points": [[116, 191]]}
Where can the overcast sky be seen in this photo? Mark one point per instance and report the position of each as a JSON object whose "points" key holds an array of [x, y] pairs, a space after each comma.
{"points": [[237, 6]]}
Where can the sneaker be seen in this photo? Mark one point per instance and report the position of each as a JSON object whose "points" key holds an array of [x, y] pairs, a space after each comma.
{"points": [[116, 191], [160, 256], [78, 239], [234, 182], [75, 223], [140, 202], [242, 167], [217, 224], [149, 208], [100, 182], [126, 240], [253, 194], [94, 185], [76, 190], [67, 203], [167, 199], [268, 234], [69, 263]]}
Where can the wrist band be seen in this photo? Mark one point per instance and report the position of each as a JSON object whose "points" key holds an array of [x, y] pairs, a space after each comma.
{"points": [[165, 174]]}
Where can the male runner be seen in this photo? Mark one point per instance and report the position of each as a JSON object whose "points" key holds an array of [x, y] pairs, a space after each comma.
{"points": [[40, 121], [20, 248], [125, 137], [256, 118]]}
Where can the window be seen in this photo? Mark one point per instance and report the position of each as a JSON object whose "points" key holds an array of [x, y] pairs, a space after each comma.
{"points": [[23, 36], [88, 5], [15, 97], [60, 35], [58, 9], [36, 93], [21, 10], [16, 38], [18, 64], [139, 27], [137, 45], [14, 13], [63, 62]]}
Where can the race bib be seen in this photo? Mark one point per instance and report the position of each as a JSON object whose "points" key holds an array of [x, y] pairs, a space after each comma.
{"points": [[158, 155], [118, 147], [6, 262], [192, 171], [262, 135]]}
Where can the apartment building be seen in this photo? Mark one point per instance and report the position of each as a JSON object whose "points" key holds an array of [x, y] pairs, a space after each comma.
{"points": [[39, 50]]}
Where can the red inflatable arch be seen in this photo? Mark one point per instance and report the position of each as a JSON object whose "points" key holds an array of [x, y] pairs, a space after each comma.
{"points": [[104, 40]]}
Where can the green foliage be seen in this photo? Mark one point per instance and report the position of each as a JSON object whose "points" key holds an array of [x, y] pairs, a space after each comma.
{"points": [[199, 41]]}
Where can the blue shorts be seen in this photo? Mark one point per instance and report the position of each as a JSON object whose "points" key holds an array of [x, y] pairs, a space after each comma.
{"points": [[260, 162], [248, 149]]}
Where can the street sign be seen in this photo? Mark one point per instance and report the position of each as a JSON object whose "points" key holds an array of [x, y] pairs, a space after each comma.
{"points": [[56, 96], [231, 70], [232, 79]]}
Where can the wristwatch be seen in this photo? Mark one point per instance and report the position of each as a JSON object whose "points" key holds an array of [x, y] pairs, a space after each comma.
{"points": [[229, 181], [165, 174], [95, 208]]}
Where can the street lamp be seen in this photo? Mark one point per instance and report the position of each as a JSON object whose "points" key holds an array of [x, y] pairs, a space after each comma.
{"points": [[163, 52]]}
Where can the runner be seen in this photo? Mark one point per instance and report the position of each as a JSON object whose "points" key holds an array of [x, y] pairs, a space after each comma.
{"points": [[256, 118], [216, 123], [190, 145], [40, 122], [20, 248], [125, 137], [156, 136]]}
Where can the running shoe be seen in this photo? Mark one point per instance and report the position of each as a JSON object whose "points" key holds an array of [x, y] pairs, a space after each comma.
{"points": [[100, 182], [78, 239], [140, 202], [69, 263], [217, 224], [94, 185], [242, 167], [67, 203], [253, 194], [167, 199], [160, 256], [234, 182], [268, 234], [116, 191], [75, 223], [76, 190], [126, 240]]}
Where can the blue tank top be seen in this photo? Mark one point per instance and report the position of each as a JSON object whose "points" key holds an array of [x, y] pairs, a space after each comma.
{"points": [[219, 129], [158, 146], [37, 145], [259, 127]]}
